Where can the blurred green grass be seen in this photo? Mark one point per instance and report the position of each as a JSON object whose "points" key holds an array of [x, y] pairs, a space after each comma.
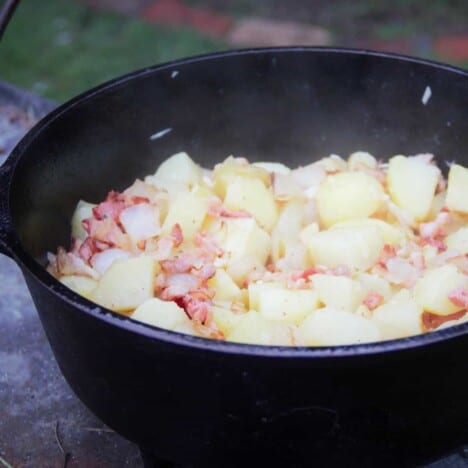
{"points": [[59, 48]]}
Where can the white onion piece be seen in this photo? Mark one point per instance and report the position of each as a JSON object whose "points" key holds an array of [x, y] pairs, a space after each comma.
{"points": [[103, 260], [400, 271], [181, 284], [309, 178], [141, 221]]}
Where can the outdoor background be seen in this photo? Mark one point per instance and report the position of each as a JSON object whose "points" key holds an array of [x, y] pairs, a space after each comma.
{"points": [[58, 48]]}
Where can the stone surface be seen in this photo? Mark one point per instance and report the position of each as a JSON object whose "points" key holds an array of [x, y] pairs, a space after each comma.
{"points": [[262, 32], [176, 13]]}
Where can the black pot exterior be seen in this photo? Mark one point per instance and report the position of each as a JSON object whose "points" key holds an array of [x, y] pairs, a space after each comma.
{"points": [[203, 403]]}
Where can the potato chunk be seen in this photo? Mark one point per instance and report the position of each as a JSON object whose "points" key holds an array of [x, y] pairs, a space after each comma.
{"points": [[433, 289], [458, 240], [391, 234], [356, 247], [189, 212], [162, 314], [331, 327], [243, 237], [83, 211], [348, 195], [255, 329], [225, 288], [457, 189], [126, 284], [286, 305], [399, 317], [179, 168], [249, 194], [412, 183], [225, 319], [338, 292], [80, 284]]}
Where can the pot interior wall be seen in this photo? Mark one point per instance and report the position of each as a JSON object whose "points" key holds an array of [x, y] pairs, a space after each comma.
{"points": [[291, 106]]}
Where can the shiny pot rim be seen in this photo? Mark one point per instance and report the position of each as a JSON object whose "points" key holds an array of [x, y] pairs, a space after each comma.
{"points": [[11, 245]]}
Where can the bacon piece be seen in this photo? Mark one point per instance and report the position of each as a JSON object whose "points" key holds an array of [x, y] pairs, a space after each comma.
{"points": [[177, 235], [87, 249], [387, 253], [207, 246], [220, 211], [111, 207], [373, 300], [70, 264], [432, 321], [459, 297], [176, 265], [438, 243], [136, 200], [436, 228], [106, 230]]}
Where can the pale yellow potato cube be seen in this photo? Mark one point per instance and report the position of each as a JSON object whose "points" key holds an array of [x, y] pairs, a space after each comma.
{"points": [[83, 211], [179, 168], [457, 189], [274, 167], [162, 314], [286, 305], [399, 317], [251, 195], [244, 237], [392, 235], [458, 240], [189, 212], [338, 292], [308, 233], [241, 268], [225, 319], [225, 173], [411, 183], [361, 159], [127, 284], [225, 288], [82, 285], [253, 328], [432, 290], [142, 189], [332, 327], [348, 195], [356, 247], [254, 290]]}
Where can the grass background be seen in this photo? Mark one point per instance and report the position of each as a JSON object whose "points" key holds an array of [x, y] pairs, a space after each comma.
{"points": [[59, 48]]}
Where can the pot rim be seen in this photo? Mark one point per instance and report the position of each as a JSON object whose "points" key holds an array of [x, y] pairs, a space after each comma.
{"points": [[15, 248]]}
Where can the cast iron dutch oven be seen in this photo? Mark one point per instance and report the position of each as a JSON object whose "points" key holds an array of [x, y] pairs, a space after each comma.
{"points": [[205, 403]]}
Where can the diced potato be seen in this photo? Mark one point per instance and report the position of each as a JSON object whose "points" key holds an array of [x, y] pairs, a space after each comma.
{"points": [[437, 204], [356, 247], [241, 268], [360, 159], [226, 320], [254, 290], [391, 234], [187, 211], [274, 167], [225, 173], [186, 328], [243, 237], [457, 189], [281, 304], [83, 211], [225, 288], [338, 292], [162, 314], [249, 194], [179, 168], [458, 240], [376, 284], [141, 189], [412, 182], [82, 285], [399, 317], [432, 290], [308, 233], [333, 163], [331, 327], [127, 284], [255, 329], [348, 195]]}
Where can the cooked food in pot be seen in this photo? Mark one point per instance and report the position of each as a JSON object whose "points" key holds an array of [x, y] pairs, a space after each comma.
{"points": [[336, 252]]}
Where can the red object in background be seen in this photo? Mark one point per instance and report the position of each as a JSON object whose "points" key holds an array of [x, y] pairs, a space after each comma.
{"points": [[452, 47], [175, 13]]}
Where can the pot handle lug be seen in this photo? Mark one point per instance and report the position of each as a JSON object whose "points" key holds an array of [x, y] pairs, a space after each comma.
{"points": [[5, 221]]}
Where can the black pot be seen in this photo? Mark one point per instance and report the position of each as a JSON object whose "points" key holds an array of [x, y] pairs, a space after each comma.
{"points": [[207, 403]]}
